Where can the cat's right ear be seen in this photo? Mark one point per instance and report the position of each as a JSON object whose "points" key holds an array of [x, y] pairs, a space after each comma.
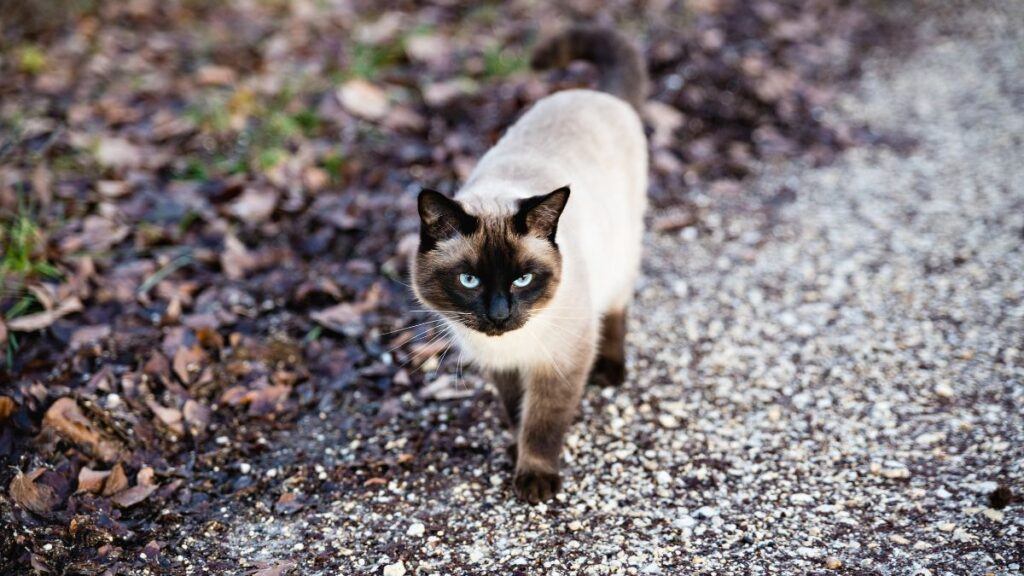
{"points": [[441, 218]]}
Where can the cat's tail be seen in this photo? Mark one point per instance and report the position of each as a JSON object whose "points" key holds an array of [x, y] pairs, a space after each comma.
{"points": [[620, 64]]}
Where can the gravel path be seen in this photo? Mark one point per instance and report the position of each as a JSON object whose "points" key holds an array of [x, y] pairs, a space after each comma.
{"points": [[828, 373]]}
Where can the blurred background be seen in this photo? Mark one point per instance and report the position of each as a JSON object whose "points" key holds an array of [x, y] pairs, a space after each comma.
{"points": [[206, 210]]}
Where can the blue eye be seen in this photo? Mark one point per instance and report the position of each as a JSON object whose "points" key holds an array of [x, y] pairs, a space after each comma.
{"points": [[469, 281], [523, 280]]}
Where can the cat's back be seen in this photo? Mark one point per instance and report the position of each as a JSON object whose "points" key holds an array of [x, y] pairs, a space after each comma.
{"points": [[592, 141], [581, 120]]}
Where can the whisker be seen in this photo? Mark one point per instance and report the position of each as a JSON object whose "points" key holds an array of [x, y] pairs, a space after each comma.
{"points": [[413, 339], [441, 360], [421, 355], [404, 328]]}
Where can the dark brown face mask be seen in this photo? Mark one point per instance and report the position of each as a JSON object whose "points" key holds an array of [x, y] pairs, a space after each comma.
{"points": [[488, 272]]}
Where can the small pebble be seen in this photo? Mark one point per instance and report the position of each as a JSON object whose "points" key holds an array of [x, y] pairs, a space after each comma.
{"points": [[396, 569]]}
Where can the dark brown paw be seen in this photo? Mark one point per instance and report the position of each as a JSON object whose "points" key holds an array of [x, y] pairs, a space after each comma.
{"points": [[608, 372], [536, 487]]}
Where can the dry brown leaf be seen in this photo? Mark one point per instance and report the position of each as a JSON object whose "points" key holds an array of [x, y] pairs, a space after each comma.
{"points": [[236, 260], [146, 476], [211, 75], [338, 317], [187, 362], [403, 118], [672, 220], [132, 496], [45, 294], [3, 332], [41, 320], [7, 407], [89, 335], [431, 49], [197, 416], [441, 93], [65, 418], [171, 417], [266, 400], [90, 480], [113, 188], [117, 481], [363, 99], [254, 205], [38, 498], [118, 153], [275, 570], [665, 120]]}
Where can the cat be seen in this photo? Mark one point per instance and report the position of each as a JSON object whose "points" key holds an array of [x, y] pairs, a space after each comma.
{"points": [[532, 265]]}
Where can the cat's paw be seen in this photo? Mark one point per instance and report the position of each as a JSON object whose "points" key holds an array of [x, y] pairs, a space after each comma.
{"points": [[536, 487], [608, 372]]}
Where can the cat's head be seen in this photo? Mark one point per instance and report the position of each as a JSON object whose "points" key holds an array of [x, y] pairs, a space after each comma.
{"points": [[488, 272]]}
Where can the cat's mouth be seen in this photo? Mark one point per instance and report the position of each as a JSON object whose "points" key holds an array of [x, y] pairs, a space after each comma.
{"points": [[497, 328]]}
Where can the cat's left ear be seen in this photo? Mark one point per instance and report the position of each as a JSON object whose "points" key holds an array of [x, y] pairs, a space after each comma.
{"points": [[441, 218], [538, 215]]}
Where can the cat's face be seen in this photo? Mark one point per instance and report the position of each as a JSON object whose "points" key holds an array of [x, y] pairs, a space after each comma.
{"points": [[488, 272]]}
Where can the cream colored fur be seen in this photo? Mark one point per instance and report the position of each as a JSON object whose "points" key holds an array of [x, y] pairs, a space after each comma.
{"points": [[594, 143]]}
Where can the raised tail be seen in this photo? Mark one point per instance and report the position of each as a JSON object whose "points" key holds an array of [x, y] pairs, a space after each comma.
{"points": [[620, 64]]}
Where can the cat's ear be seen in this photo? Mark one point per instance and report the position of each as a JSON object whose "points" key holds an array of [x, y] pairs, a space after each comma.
{"points": [[538, 215], [441, 218]]}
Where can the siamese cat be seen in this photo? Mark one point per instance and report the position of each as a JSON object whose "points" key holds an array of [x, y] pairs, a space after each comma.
{"points": [[533, 263]]}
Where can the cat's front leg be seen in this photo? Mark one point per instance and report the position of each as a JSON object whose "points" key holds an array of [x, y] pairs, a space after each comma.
{"points": [[509, 385], [551, 399]]}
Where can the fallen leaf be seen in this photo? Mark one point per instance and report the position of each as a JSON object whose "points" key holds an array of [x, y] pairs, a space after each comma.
{"points": [[211, 75], [266, 400], [3, 332], [116, 482], [236, 260], [41, 320], [89, 335], [445, 387], [442, 93], [275, 570], [672, 220], [197, 416], [29, 494], [90, 480], [665, 120], [65, 418], [432, 49], [403, 118], [188, 361], [113, 188], [132, 496], [118, 153], [342, 318], [7, 407], [254, 205], [363, 99], [171, 417], [289, 503]]}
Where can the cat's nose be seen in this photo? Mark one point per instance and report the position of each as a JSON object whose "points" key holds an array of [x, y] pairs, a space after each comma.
{"points": [[499, 309]]}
